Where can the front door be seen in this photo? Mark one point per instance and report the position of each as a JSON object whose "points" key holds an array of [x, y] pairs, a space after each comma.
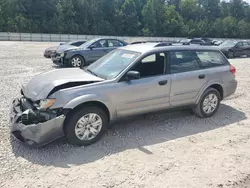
{"points": [[97, 50], [187, 78], [239, 49], [149, 93]]}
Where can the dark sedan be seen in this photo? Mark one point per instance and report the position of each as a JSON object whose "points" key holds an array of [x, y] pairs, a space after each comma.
{"points": [[87, 53], [201, 41], [50, 52], [233, 49]]}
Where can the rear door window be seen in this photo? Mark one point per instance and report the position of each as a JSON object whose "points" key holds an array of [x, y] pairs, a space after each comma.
{"points": [[114, 43], [183, 61], [246, 44], [210, 59]]}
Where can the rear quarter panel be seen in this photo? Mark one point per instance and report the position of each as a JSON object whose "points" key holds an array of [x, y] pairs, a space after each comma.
{"points": [[220, 75]]}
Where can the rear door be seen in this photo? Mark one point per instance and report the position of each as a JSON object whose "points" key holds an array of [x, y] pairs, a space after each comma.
{"points": [[187, 77]]}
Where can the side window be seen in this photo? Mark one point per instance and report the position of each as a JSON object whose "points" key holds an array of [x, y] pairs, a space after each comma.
{"points": [[183, 61], [149, 59], [239, 44], [151, 65], [246, 44], [114, 43], [210, 59], [100, 44]]}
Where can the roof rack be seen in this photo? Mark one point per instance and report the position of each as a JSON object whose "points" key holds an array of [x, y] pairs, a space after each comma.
{"points": [[161, 43], [140, 42], [172, 43]]}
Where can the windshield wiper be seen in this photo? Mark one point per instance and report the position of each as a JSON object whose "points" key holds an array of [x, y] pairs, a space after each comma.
{"points": [[91, 72]]}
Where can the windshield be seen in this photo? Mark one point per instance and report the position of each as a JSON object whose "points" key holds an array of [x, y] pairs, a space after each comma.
{"points": [[88, 43], [229, 43], [112, 64]]}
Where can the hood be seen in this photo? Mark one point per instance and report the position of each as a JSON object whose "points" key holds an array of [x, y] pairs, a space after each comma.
{"points": [[51, 49], [63, 48], [41, 85]]}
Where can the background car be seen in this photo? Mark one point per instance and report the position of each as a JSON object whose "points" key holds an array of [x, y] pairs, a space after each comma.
{"points": [[233, 49], [217, 42], [50, 52], [201, 41], [87, 53]]}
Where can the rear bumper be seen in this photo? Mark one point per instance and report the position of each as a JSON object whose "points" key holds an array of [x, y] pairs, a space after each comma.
{"points": [[34, 135]]}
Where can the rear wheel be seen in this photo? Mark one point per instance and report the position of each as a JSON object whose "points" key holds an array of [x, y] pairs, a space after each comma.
{"points": [[209, 103], [230, 55], [76, 61], [86, 126]]}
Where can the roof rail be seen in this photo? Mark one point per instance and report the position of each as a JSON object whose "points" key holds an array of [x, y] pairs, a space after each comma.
{"points": [[140, 42], [171, 43], [164, 44]]}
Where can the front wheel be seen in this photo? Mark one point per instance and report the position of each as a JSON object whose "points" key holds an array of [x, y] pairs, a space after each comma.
{"points": [[86, 126], [209, 103], [76, 61]]}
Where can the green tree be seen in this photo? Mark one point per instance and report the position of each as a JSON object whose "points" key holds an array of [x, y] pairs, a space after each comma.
{"points": [[190, 10], [66, 16], [154, 18], [230, 27], [174, 23], [129, 18], [243, 29]]}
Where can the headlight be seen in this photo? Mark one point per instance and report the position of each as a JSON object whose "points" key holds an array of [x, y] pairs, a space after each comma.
{"points": [[62, 54], [46, 103]]}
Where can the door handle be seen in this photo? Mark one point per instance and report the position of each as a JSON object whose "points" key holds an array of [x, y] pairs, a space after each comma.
{"points": [[163, 82], [202, 76]]}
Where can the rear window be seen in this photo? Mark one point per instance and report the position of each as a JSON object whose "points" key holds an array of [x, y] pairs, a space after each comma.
{"points": [[210, 59]]}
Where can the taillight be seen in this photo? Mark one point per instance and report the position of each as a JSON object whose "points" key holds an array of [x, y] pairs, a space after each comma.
{"points": [[232, 69]]}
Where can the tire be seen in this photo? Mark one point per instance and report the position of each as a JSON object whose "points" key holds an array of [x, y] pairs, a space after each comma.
{"points": [[199, 109], [230, 55], [78, 122], [248, 54], [77, 61]]}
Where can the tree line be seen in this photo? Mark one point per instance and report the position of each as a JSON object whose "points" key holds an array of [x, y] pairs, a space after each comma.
{"points": [[169, 18]]}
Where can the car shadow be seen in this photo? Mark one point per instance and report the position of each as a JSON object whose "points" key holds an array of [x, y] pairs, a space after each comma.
{"points": [[132, 133]]}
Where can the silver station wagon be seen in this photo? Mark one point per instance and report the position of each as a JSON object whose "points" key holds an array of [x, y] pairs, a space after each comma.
{"points": [[135, 79]]}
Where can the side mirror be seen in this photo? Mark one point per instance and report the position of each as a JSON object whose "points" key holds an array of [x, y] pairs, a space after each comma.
{"points": [[132, 75], [236, 46], [91, 47]]}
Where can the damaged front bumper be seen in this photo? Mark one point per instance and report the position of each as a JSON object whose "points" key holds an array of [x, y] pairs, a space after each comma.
{"points": [[37, 134]]}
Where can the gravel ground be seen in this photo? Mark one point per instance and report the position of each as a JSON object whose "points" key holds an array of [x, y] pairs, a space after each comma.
{"points": [[167, 149]]}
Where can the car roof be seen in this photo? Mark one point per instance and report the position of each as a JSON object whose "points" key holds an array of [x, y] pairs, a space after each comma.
{"points": [[151, 47]]}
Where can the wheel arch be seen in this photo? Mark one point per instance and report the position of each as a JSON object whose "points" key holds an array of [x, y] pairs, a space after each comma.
{"points": [[219, 88], [215, 85]]}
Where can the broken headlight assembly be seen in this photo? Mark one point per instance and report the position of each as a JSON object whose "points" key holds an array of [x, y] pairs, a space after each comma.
{"points": [[45, 104]]}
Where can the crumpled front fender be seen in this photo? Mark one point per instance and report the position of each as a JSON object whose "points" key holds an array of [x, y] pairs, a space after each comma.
{"points": [[91, 98]]}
